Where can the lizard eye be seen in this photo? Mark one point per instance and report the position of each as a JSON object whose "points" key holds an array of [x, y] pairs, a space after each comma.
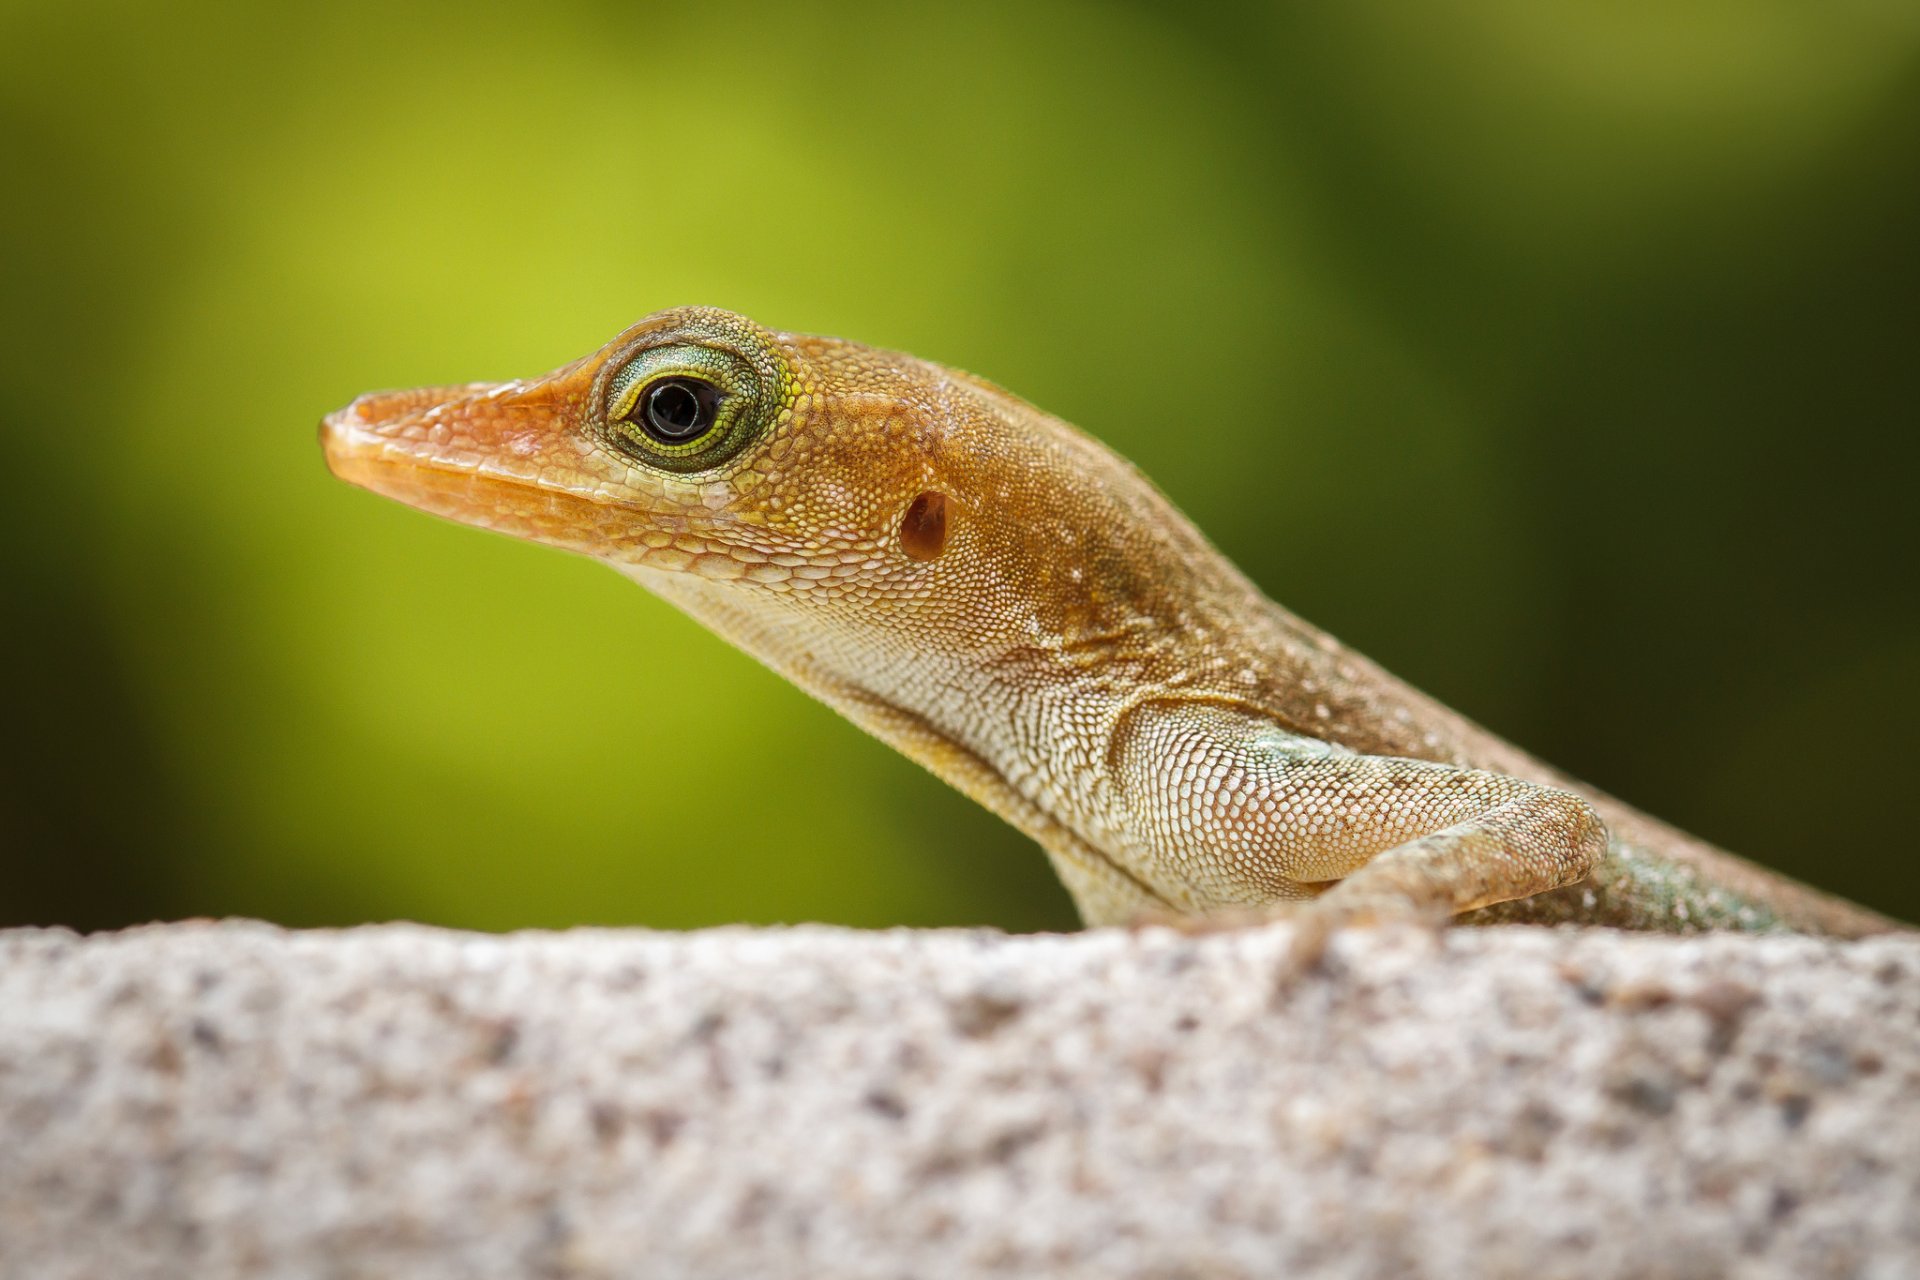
{"points": [[676, 410], [690, 406]]}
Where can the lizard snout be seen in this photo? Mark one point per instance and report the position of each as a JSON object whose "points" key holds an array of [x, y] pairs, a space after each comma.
{"points": [[507, 456]]}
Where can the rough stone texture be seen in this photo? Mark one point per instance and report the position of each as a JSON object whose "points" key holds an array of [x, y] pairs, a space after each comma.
{"points": [[231, 1099]]}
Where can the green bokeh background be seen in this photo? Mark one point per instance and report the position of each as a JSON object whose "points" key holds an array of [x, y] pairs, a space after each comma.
{"points": [[1562, 357]]}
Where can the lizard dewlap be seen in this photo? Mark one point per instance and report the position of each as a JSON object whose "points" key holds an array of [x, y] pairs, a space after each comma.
{"points": [[1008, 602]]}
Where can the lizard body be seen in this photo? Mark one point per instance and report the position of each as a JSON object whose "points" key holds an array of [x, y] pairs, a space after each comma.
{"points": [[1014, 606]]}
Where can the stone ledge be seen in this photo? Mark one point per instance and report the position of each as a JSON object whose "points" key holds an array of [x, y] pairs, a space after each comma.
{"points": [[232, 1099]]}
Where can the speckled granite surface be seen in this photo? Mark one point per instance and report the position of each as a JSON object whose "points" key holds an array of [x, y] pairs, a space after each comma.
{"points": [[234, 1100]]}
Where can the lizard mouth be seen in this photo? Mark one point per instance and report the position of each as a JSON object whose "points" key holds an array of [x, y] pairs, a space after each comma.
{"points": [[480, 454]]}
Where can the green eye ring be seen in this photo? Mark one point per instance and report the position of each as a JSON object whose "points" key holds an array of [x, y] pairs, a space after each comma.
{"points": [[686, 406]]}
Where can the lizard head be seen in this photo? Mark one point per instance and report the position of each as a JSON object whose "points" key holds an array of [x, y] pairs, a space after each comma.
{"points": [[695, 442], [710, 457]]}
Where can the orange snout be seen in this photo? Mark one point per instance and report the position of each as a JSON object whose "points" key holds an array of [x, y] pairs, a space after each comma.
{"points": [[507, 456]]}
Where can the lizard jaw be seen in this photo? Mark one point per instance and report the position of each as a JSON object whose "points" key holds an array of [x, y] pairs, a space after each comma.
{"points": [[493, 455]]}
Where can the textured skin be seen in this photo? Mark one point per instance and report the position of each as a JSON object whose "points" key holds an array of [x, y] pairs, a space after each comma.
{"points": [[1008, 602]]}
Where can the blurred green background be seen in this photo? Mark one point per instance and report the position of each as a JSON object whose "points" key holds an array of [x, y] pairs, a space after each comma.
{"points": [[1562, 357]]}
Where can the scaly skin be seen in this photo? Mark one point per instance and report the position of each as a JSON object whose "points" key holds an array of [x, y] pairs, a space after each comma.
{"points": [[1006, 601]]}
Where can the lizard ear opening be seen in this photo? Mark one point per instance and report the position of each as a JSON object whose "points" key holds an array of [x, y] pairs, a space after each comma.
{"points": [[923, 530]]}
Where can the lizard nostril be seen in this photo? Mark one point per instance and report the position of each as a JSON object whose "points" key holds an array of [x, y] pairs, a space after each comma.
{"points": [[923, 530]]}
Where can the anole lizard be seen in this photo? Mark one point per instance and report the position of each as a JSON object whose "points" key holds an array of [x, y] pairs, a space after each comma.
{"points": [[1017, 608]]}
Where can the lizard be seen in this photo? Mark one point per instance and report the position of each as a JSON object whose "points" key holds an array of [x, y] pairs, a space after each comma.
{"points": [[1014, 606]]}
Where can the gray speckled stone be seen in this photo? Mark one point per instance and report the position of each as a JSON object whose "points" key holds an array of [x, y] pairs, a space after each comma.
{"points": [[231, 1099]]}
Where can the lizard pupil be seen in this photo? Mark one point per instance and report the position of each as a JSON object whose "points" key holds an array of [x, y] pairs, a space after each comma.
{"points": [[677, 410]]}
